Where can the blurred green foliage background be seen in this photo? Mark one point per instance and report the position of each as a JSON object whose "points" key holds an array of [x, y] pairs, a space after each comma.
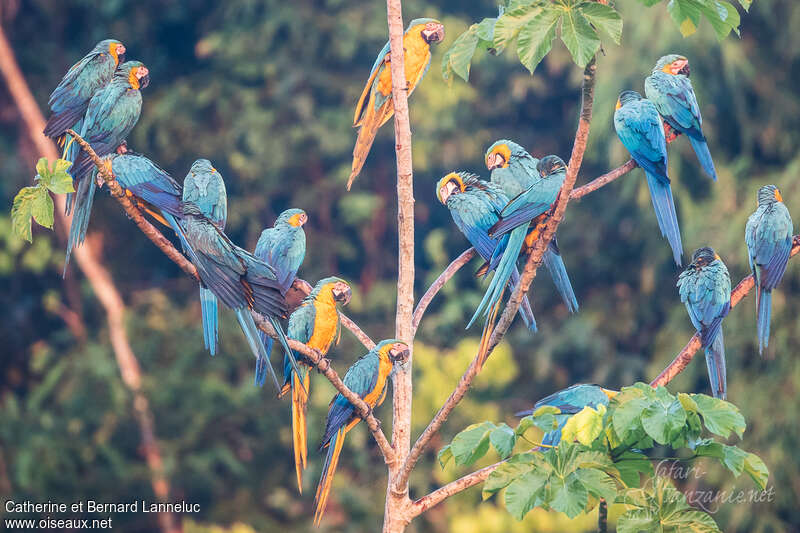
{"points": [[266, 89]]}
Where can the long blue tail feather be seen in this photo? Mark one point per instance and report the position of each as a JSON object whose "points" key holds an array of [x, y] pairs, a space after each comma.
{"points": [[285, 344], [558, 271], [256, 346], [209, 311], [664, 206], [704, 156], [764, 314], [261, 375], [715, 360], [84, 197]]}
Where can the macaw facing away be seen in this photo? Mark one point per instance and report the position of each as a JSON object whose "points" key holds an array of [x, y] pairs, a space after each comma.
{"points": [[316, 323], [475, 206], [705, 289], [544, 181], [204, 187], [238, 278], [768, 236], [641, 130], [110, 117], [570, 401], [670, 89], [375, 106], [368, 378], [69, 100]]}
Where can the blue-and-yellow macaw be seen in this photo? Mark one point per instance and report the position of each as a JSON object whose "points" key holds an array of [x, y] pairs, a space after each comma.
{"points": [[670, 89], [70, 99], [368, 378], [641, 130], [110, 117], [512, 167], [768, 236], [705, 289], [283, 247], [375, 106], [316, 323], [570, 401], [204, 187], [235, 276]]}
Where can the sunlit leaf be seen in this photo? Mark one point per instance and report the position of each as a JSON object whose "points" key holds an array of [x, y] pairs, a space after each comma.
{"points": [[685, 14], [31, 202], [444, 456], [720, 417], [604, 18], [509, 24], [598, 483], [662, 421], [584, 426], [536, 38], [756, 469], [508, 472], [503, 439], [568, 496], [459, 57], [472, 443], [524, 493], [579, 37]]}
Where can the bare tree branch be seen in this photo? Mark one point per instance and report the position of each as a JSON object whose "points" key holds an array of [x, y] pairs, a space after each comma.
{"points": [[454, 487], [685, 356], [603, 180], [528, 274], [465, 257]]}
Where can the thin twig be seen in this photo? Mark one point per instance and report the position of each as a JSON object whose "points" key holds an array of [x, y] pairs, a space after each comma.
{"points": [[528, 274], [465, 257], [685, 356], [603, 180], [454, 487]]}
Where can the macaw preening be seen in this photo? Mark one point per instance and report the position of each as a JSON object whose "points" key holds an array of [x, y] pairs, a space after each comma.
{"points": [[534, 185], [768, 235], [204, 187], [375, 106], [705, 289], [570, 401], [670, 89], [641, 131], [368, 378], [238, 278], [283, 247], [316, 323], [70, 99], [110, 117]]}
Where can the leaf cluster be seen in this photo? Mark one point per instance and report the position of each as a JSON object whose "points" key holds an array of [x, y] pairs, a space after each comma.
{"points": [[34, 202]]}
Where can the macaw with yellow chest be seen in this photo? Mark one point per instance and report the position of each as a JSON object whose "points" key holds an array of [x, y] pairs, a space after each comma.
{"points": [[570, 401], [375, 106], [670, 89], [70, 99], [368, 377], [111, 115], [515, 171], [768, 235], [316, 323]]}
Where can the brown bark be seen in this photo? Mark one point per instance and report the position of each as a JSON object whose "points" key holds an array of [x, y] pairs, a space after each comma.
{"points": [[101, 282]]}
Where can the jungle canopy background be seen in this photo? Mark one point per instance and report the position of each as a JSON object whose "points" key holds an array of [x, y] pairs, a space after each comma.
{"points": [[266, 91]]}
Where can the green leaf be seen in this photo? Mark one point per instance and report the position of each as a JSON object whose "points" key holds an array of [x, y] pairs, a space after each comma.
{"points": [[60, 180], [524, 425], [472, 443], [503, 439], [31, 202], [638, 520], [507, 472], [720, 417], [444, 456], [568, 496], [579, 37], [598, 483], [524, 493], [685, 14], [627, 415], [722, 16], [584, 426], [756, 469], [485, 30], [605, 18], [663, 421], [509, 24], [649, 3], [458, 58], [630, 465], [536, 38], [42, 208]]}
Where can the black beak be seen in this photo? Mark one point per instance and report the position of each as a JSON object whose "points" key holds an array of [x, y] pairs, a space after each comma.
{"points": [[401, 355], [685, 70], [342, 296], [121, 58], [144, 81]]}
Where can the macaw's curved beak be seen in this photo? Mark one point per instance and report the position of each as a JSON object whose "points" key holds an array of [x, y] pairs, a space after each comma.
{"points": [[399, 353], [342, 293], [120, 54], [433, 33], [144, 81], [494, 161], [303, 219], [681, 66]]}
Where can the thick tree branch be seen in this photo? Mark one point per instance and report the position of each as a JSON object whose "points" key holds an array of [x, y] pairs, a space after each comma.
{"points": [[685, 356], [603, 180], [465, 257], [528, 274], [454, 487]]}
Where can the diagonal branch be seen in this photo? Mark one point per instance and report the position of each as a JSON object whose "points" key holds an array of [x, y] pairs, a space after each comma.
{"points": [[685, 356], [603, 180], [439, 282], [528, 274]]}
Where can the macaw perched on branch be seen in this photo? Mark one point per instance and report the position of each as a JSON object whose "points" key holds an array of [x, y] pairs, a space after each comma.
{"points": [[670, 89], [570, 401], [768, 236], [368, 378], [316, 323], [242, 281], [475, 207], [375, 106], [641, 131], [110, 117], [517, 172], [705, 289], [204, 187], [283, 247], [70, 99]]}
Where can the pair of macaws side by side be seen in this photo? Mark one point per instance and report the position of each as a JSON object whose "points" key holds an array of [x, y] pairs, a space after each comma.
{"points": [[376, 106], [641, 125], [99, 98]]}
